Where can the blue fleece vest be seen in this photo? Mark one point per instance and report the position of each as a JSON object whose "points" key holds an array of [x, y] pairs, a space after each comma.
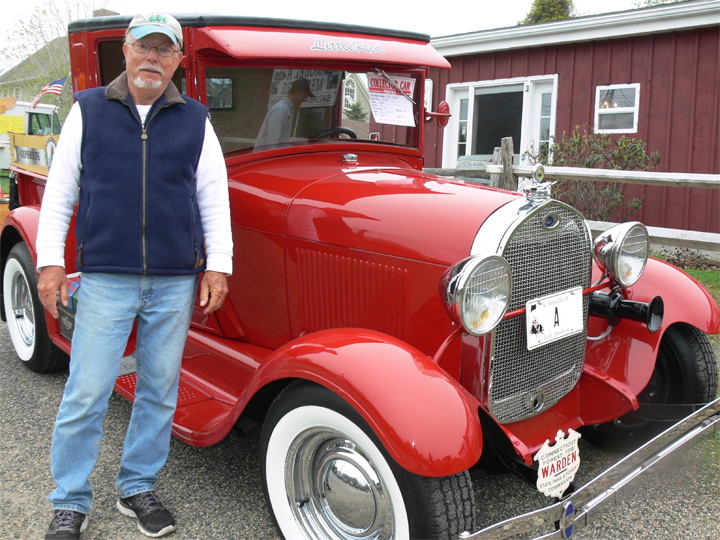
{"points": [[138, 210]]}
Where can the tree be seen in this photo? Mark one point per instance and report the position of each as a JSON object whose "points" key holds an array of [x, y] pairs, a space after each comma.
{"points": [[356, 112], [549, 10], [36, 53]]}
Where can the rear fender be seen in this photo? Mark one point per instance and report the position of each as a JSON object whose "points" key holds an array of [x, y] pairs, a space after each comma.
{"points": [[20, 225], [427, 422]]}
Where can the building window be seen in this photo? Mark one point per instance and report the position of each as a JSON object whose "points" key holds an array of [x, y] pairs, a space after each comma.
{"points": [[616, 108], [17, 94], [545, 123], [485, 112], [462, 127], [350, 90], [497, 113]]}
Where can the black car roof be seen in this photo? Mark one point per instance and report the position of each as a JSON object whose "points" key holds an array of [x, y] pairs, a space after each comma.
{"points": [[200, 19]]}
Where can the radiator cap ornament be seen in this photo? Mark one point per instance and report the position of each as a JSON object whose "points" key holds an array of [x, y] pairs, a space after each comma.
{"points": [[535, 189]]}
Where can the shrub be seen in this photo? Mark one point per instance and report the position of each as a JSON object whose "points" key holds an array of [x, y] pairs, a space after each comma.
{"points": [[586, 149]]}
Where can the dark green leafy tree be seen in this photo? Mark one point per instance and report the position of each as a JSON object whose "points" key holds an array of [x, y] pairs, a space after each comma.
{"points": [[549, 10], [356, 112], [586, 149]]}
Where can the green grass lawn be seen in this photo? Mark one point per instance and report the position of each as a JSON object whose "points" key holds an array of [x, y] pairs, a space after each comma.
{"points": [[711, 281], [708, 274], [709, 278]]}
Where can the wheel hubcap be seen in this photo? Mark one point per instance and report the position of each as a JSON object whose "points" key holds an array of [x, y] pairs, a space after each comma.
{"points": [[334, 489], [22, 309]]}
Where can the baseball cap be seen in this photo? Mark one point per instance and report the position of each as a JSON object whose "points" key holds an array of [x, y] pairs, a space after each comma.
{"points": [[301, 85], [156, 22]]}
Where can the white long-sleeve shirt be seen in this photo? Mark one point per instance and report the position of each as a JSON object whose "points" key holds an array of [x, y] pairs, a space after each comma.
{"points": [[63, 185], [277, 125]]}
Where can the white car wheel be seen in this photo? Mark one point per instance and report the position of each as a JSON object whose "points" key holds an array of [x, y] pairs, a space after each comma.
{"points": [[324, 474], [25, 315], [328, 478]]}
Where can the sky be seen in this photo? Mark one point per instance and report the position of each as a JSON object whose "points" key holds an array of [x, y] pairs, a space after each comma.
{"points": [[433, 18]]}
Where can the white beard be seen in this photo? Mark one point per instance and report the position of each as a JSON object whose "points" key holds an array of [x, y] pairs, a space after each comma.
{"points": [[149, 84]]}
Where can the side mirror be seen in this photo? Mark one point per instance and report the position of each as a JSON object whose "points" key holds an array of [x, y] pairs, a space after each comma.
{"points": [[442, 114]]}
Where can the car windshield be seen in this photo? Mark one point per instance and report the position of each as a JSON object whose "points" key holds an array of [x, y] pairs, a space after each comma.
{"points": [[256, 109]]}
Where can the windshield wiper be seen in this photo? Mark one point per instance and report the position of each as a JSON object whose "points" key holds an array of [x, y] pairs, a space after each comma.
{"points": [[395, 86]]}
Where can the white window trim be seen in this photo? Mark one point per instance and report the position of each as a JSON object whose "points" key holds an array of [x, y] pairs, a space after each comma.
{"points": [[349, 93], [456, 91], [635, 111]]}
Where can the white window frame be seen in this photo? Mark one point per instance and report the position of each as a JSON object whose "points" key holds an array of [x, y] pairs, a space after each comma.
{"points": [[466, 90], [349, 93], [608, 109]]}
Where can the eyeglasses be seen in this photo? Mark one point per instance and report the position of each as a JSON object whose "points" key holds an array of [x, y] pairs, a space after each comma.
{"points": [[141, 47]]}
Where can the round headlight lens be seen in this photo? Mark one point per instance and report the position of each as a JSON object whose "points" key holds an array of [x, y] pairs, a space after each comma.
{"points": [[632, 256], [477, 292], [622, 252]]}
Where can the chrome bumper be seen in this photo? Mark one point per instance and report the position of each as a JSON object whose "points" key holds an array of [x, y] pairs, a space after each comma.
{"points": [[577, 511]]}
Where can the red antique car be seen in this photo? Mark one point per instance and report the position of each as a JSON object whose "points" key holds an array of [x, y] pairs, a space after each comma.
{"points": [[392, 329]]}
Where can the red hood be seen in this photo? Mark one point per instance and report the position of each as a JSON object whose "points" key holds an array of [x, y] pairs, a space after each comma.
{"points": [[403, 213]]}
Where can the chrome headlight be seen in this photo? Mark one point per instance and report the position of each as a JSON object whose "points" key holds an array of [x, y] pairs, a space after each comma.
{"points": [[477, 292], [622, 252]]}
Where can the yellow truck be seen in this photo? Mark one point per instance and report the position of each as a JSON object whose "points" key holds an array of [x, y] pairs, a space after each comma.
{"points": [[28, 136], [19, 118]]}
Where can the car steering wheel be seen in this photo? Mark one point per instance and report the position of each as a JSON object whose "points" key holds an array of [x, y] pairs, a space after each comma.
{"points": [[336, 131]]}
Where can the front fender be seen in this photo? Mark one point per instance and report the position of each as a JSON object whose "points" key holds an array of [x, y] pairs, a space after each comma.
{"points": [[686, 300], [427, 422], [629, 353]]}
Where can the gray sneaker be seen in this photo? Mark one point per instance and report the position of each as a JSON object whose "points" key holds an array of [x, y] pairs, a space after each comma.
{"points": [[152, 517], [66, 525]]}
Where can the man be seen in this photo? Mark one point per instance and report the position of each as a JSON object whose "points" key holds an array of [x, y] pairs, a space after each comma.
{"points": [[277, 125], [149, 174]]}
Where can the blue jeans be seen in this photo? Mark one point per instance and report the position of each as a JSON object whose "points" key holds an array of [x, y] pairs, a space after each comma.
{"points": [[107, 306]]}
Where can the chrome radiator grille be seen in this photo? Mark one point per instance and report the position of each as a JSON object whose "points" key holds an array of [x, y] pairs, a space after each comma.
{"points": [[543, 261]]}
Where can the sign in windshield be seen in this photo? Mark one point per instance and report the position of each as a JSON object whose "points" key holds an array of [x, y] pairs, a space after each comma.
{"points": [[256, 109]]}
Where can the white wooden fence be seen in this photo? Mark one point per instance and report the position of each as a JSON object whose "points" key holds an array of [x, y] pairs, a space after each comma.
{"points": [[504, 175]]}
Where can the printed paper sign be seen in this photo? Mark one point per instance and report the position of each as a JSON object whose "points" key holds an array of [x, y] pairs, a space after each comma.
{"points": [[323, 84], [558, 464], [388, 105]]}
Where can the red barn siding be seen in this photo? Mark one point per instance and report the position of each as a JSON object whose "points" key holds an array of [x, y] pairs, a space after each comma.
{"points": [[679, 76]]}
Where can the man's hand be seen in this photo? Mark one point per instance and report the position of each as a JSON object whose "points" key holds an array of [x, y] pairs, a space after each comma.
{"points": [[52, 279], [214, 288]]}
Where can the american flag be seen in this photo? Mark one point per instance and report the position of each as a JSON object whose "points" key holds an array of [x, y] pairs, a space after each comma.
{"points": [[54, 87]]}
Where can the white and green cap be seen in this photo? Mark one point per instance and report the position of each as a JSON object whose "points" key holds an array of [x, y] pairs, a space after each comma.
{"points": [[156, 22]]}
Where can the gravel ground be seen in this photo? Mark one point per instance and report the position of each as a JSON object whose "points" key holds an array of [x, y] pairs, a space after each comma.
{"points": [[216, 493]]}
